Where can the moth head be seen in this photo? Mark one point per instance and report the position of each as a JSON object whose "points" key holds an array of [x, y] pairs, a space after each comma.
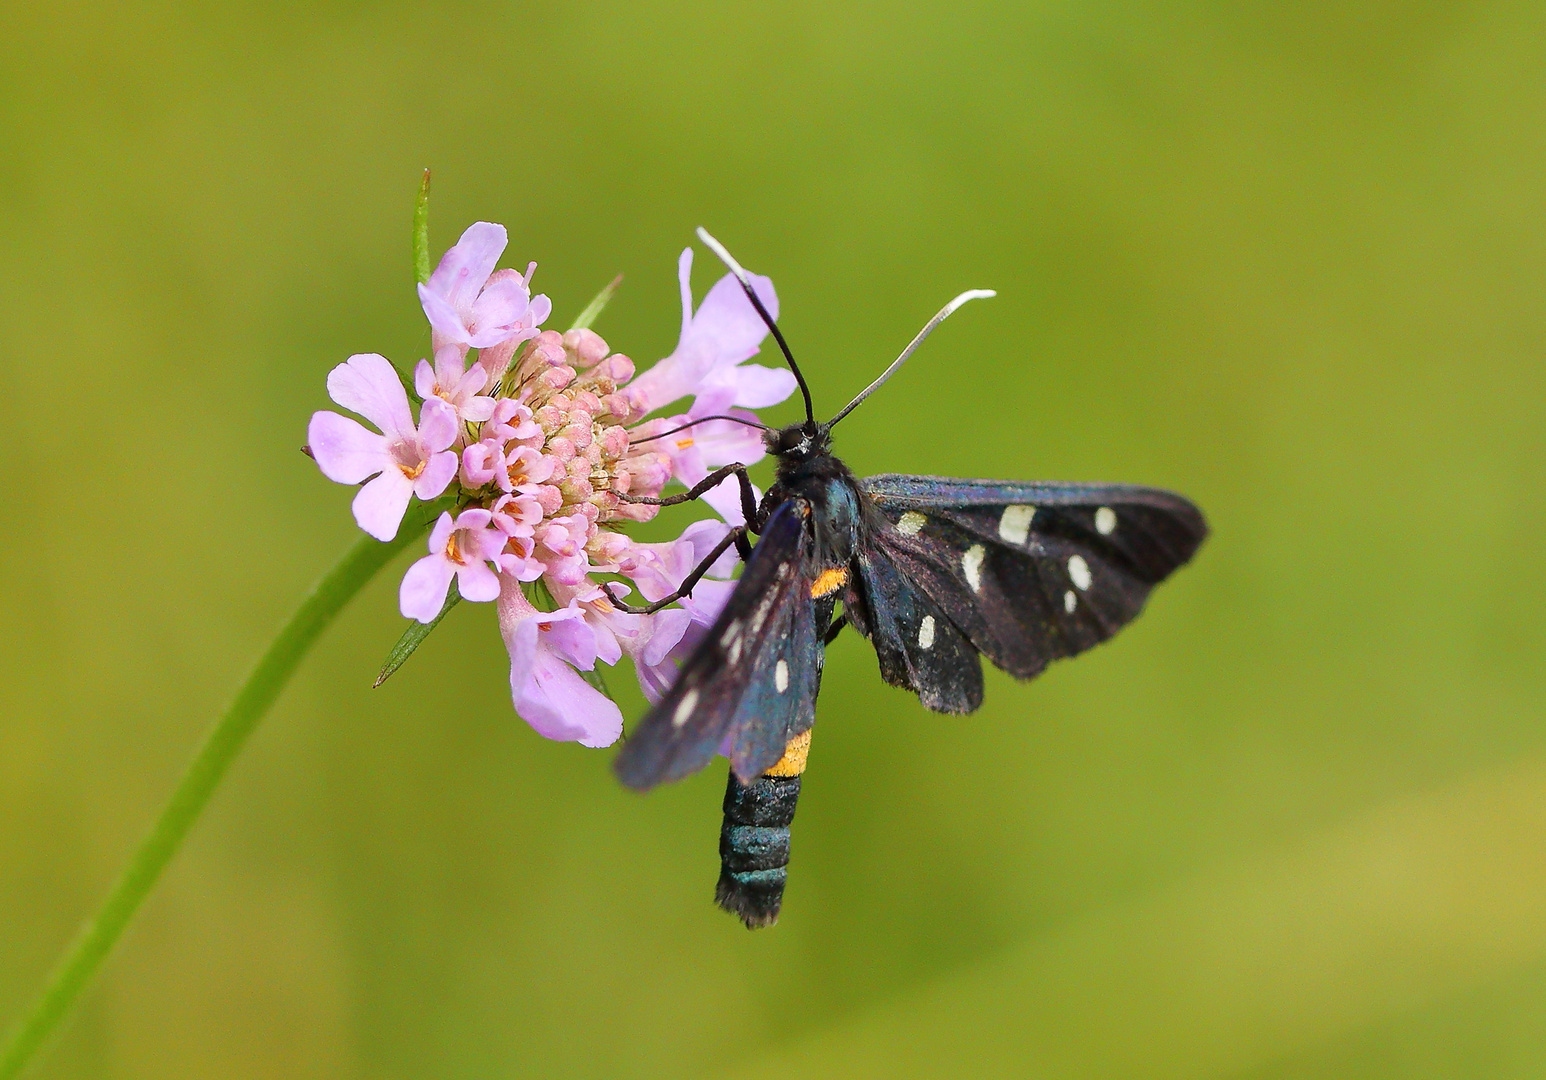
{"points": [[797, 441]]}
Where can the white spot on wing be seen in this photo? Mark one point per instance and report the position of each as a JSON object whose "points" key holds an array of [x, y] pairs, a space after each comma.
{"points": [[926, 633], [1079, 572], [781, 676], [1015, 525], [911, 523], [971, 566], [684, 708], [732, 632], [1070, 601], [1105, 521]]}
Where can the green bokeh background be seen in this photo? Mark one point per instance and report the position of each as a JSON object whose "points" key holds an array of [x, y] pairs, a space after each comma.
{"points": [[1285, 257]]}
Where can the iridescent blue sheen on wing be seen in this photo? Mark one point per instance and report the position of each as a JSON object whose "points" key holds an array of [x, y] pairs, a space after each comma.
{"points": [[728, 685], [1029, 573]]}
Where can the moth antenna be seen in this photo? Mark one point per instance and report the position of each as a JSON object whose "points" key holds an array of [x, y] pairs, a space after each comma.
{"points": [[746, 286], [944, 313], [701, 420]]}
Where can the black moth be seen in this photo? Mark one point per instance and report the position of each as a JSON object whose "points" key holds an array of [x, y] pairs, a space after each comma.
{"points": [[931, 570]]}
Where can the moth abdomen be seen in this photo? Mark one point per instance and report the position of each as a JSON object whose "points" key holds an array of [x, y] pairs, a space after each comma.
{"points": [[754, 839]]}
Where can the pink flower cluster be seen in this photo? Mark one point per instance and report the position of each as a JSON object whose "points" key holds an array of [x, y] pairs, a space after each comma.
{"points": [[538, 437]]}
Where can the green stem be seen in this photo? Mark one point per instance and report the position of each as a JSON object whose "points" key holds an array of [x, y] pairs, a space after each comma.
{"points": [[98, 936]]}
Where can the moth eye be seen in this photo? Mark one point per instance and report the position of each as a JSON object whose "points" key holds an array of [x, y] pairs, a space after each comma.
{"points": [[1105, 521], [911, 523], [684, 709], [1079, 572], [1015, 525]]}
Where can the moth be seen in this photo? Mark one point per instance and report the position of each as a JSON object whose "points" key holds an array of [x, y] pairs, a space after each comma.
{"points": [[934, 572]]}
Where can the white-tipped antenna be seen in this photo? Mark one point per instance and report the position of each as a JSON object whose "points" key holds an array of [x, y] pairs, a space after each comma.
{"points": [[751, 294], [724, 256], [944, 313]]}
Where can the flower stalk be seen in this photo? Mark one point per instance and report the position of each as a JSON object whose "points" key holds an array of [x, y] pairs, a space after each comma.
{"points": [[101, 932]]}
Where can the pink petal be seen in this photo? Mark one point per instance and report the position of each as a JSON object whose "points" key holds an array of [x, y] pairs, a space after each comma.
{"points": [[757, 387], [424, 379], [450, 366], [572, 640], [670, 625], [476, 408], [479, 462], [560, 705], [367, 383], [438, 426], [424, 587], [443, 318], [538, 310], [477, 582], [380, 504], [726, 324], [445, 525], [721, 442], [345, 451], [437, 475], [466, 266], [498, 312]]}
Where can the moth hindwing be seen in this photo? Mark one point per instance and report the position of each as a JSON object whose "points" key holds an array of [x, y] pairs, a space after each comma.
{"points": [[1026, 573], [750, 685]]}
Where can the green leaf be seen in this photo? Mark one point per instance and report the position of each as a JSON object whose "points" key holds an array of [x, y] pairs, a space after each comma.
{"points": [[421, 232], [594, 677], [413, 637], [593, 309], [538, 596]]}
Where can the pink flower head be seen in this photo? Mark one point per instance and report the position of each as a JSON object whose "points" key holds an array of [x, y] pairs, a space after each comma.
{"points": [[462, 549], [411, 460], [545, 649], [725, 331], [455, 384], [469, 304]]}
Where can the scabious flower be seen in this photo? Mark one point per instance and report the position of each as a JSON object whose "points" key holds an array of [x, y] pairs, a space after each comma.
{"points": [[411, 459], [538, 436]]}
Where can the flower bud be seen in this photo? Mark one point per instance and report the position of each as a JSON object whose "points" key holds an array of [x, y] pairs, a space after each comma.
{"points": [[549, 498], [549, 418], [576, 490], [619, 369], [614, 441], [555, 379], [586, 346], [561, 448]]}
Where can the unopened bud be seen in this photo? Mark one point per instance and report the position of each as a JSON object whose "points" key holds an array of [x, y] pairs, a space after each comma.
{"points": [[586, 346], [619, 369]]}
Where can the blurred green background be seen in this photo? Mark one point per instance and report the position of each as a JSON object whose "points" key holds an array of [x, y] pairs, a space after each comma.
{"points": [[1285, 257]]}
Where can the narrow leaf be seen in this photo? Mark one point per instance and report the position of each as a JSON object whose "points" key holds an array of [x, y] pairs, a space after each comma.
{"points": [[413, 637], [593, 309], [594, 677], [421, 232]]}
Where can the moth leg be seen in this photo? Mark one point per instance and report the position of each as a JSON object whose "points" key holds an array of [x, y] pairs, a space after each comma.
{"points": [[712, 480], [743, 546], [835, 629], [735, 534]]}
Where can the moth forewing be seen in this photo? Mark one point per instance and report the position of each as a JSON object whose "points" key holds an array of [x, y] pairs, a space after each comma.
{"points": [[687, 728]]}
